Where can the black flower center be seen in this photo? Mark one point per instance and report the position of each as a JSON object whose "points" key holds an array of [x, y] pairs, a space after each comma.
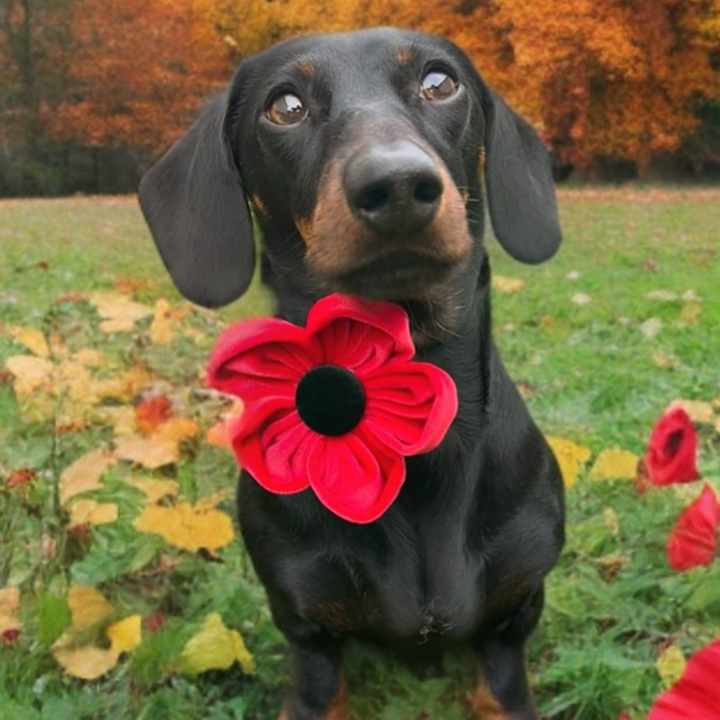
{"points": [[330, 400]]}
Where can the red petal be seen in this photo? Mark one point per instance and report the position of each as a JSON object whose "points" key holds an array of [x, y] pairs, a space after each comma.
{"points": [[696, 696], [693, 541], [410, 406], [352, 480], [260, 358], [672, 450], [359, 334], [272, 444]]}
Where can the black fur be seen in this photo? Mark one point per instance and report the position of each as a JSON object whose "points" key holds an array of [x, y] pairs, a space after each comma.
{"points": [[461, 555]]}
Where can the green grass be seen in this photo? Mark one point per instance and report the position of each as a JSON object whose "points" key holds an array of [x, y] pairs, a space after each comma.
{"points": [[589, 372]]}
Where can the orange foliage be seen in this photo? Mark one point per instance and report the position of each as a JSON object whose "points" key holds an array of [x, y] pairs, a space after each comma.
{"points": [[140, 69]]}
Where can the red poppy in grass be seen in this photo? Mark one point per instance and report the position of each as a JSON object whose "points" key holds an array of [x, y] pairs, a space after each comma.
{"points": [[672, 451], [696, 695], [335, 406], [693, 540]]}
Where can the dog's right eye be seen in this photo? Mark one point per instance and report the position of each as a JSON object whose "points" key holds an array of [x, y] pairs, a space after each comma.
{"points": [[286, 109]]}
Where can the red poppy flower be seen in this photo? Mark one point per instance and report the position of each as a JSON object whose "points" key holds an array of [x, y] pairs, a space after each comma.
{"points": [[693, 541], [696, 695], [335, 406], [672, 451]]}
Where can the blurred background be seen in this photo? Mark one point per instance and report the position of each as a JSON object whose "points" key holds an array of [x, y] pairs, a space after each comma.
{"points": [[92, 90]]}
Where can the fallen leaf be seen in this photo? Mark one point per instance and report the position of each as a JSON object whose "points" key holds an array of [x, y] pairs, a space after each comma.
{"points": [[92, 512], [150, 452], [123, 387], [691, 312], [177, 429], [610, 566], [507, 285], [88, 607], [610, 519], [570, 456], [155, 490], [187, 526], [651, 327], [152, 412], [120, 417], [118, 312], [19, 478], [9, 605], [662, 360], [700, 412], [85, 663], [614, 464], [581, 299], [220, 434], [84, 474], [671, 665], [126, 634], [165, 320], [31, 338], [30, 373], [215, 647]]}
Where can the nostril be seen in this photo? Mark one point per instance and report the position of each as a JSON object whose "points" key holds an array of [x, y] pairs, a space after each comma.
{"points": [[428, 191], [373, 198]]}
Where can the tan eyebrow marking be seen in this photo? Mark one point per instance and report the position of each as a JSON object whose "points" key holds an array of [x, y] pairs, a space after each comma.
{"points": [[258, 204], [405, 55], [307, 69]]}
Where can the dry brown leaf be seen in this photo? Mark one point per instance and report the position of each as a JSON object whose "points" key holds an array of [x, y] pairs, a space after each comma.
{"points": [[691, 312], [187, 526], [31, 338], [155, 490], [570, 456], [507, 285], [92, 512], [30, 373], [699, 412], [150, 452], [614, 464], [84, 474], [9, 605]]}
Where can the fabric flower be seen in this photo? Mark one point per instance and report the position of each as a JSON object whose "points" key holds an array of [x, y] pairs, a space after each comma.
{"points": [[696, 695], [672, 450], [693, 541], [335, 406]]}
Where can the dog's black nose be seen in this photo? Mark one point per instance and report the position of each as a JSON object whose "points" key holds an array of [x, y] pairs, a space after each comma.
{"points": [[393, 188]]}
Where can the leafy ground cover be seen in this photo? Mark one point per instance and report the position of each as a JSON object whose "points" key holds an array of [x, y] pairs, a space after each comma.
{"points": [[116, 552]]}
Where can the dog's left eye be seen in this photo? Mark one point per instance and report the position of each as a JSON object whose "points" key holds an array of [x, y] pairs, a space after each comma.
{"points": [[287, 109], [438, 85]]}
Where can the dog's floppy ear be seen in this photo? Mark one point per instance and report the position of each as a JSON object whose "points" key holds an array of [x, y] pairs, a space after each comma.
{"points": [[520, 189], [195, 206]]}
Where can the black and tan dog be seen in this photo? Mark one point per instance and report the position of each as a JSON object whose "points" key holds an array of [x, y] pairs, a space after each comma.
{"points": [[364, 156]]}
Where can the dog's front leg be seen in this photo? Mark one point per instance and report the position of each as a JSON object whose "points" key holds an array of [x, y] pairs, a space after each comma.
{"points": [[317, 691], [503, 692]]}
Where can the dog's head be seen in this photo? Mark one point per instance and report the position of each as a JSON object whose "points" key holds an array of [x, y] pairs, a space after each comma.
{"points": [[362, 156]]}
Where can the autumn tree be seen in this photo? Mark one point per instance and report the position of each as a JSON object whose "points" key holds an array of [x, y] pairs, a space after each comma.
{"points": [[139, 70]]}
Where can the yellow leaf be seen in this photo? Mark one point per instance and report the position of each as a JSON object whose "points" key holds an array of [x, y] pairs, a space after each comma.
{"points": [[31, 338], [690, 313], [699, 412], [9, 604], [120, 417], [118, 312], [123, 387], [220, 434], [150, 452], [176, 429], [615, 464], [671, 665], [30, 373], [187, 526], [664, 361], [95, 513], [610, 519], [89, 357], [86, 663], [215, 647], [155, 490], [570, 456], [84, 474], [125, 635], [162, 327], [507, 285], [88, 607]]}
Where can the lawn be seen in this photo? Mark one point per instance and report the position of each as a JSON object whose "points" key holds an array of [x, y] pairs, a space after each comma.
{"points": [[623, 321]]}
